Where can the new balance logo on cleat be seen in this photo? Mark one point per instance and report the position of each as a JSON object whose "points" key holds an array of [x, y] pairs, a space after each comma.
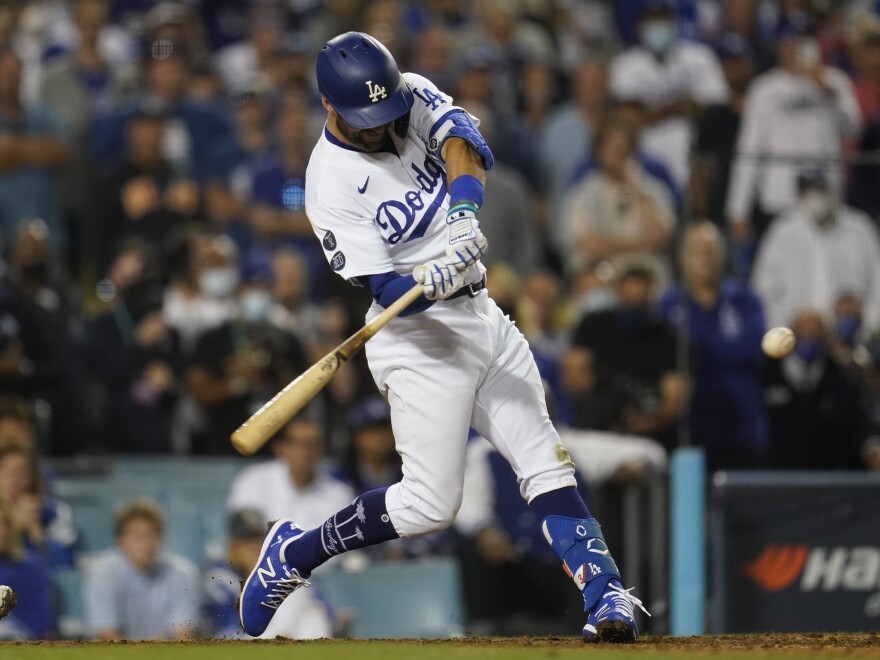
{"points": [[272, 579]]}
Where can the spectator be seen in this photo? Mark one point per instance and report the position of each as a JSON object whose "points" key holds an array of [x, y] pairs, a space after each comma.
{"points": [[292, 312], [143, 196], [243, 62], [618, 212], [743, 19], [723, 323], [308, 617], [621, 371], [45, 522], [816, 251], [201, 294], [199, 143], [371, 461], [514, 138], [240, 365], [815, 408], [672, 80], [277, 204], [568, 132], [539, 315], [32, 149], [795, 115], [866, 55], [865, 173], [80, 86], [432, 56], [513, 44], [226, 198], [32, 617], [508, 211], [539, 92], [137, 590], [39, 297], [717, 129], [293, 481], [134, 393]]}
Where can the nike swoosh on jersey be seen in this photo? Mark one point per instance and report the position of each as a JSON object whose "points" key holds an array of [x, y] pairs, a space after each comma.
{"points": [[363, 188]]}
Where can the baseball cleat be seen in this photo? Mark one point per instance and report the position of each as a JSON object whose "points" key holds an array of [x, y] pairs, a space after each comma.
{"points": [[272, 579], [613, 618]]}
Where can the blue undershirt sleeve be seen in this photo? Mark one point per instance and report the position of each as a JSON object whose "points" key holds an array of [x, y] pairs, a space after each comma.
{"points": [[388, 287]]}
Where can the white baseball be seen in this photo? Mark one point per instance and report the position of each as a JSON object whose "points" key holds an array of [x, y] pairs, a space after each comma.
{"points": [[778, 342], [7, 600]]}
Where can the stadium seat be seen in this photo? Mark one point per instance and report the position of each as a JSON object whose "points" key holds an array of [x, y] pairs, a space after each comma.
{"points": [[67, 603], [418, 598]]}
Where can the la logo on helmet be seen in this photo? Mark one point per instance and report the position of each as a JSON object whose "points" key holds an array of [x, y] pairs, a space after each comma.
{"points": [[376, 92]]}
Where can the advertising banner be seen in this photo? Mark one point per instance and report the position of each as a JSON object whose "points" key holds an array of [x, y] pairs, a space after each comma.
{"points": [[795, 552]]}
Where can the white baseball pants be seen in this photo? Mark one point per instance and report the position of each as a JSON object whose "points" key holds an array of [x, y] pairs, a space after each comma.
{"points": [[461, 363]]}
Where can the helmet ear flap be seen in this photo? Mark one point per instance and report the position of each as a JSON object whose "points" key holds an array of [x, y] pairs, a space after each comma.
{"points": [[401, 125]]}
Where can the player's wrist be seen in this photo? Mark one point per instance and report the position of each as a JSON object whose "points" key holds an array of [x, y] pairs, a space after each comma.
{"points": [[466, 189]]}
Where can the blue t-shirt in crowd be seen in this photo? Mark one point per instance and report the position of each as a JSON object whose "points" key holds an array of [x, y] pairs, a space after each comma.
{"points": [[32, 617], [31, 191], [202, 139], [276, 187], [726, 409]]}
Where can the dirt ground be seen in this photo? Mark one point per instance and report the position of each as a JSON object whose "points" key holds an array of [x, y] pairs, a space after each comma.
{"points": [[745, 642]]}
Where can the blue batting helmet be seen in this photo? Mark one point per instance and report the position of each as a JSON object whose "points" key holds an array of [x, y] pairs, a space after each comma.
{"points": [[360, 79]]}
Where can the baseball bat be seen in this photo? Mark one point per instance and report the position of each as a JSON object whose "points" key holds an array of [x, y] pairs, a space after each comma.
{"points": [[264, 423]]}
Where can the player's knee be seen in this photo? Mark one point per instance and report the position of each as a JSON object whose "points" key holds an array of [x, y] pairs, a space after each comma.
{"points": [[425, 510]]}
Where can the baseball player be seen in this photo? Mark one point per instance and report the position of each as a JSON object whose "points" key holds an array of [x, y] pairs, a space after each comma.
{"points": [[393, 188]]}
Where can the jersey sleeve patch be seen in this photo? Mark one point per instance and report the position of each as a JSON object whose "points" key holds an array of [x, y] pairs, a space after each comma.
{"points": [[337, 261]]}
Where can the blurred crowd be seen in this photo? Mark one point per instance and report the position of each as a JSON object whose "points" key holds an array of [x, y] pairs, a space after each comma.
{"points": [[672, 178]]}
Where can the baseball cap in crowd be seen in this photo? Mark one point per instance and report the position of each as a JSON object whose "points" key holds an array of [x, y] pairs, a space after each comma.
{"points": [[257, 268], [368, 411], [795, 24], [731, 46], [247, 524], [478, 57]]}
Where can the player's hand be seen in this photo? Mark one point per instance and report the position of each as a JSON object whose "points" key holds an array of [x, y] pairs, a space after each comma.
{"points": [[440, 277], [467, 244]]}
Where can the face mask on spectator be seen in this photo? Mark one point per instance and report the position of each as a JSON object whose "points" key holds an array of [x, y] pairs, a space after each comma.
{"points": [[819, 206], [809, 350], [255, 305], [218, 282], [658, 36], [846, 328]]}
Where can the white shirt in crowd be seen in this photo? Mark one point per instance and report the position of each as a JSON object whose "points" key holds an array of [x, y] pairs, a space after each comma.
{"points": [[802, 266], [688, 71], [268, 488], [788, 123]]}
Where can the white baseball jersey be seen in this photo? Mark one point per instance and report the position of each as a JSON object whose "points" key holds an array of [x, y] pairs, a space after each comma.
{"points": [[381, 212], [459, 364]]}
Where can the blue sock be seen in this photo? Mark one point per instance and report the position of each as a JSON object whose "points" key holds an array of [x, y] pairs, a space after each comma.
{"points": [[561, 502], [362, 523]]}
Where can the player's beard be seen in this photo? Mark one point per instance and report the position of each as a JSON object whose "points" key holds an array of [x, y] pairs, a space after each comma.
{"points": [[365, 139]]}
